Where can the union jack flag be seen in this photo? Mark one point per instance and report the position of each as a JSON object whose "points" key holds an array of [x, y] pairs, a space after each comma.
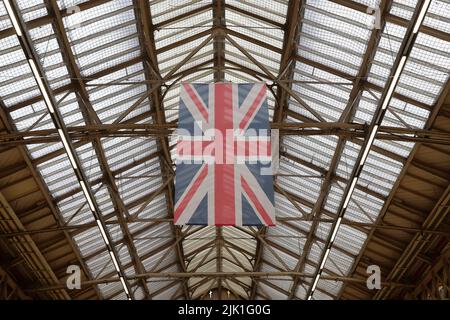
{"points": [[222, 156]]}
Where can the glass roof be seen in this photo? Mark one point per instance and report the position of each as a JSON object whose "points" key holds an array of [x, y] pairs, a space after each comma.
{"points": [[330, 50]]}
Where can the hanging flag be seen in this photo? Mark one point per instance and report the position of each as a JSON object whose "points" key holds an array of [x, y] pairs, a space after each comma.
{"points": [[223, 156]]}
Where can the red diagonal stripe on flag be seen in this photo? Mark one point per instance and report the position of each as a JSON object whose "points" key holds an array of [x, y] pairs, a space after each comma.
{"points": [[254, 199], [252, 109], [191, 192], [196, 101]]}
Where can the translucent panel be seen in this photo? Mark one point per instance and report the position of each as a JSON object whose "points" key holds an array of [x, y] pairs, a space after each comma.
{"points": [[112, 289], [271, 292], [314, 149], [156, 261], [16, 81], [167, 9], [285, 208], [438, 16], [32, 9], [75, 209], [320, 295], [328, 100], [275, 256], [91, 243], [58, 175], [301, 292], [403, 8], [325, 28], [350, 239], [338, 263], [427, 69], [63, 4], [347, 159], [386, 53], [101, 265], [379, 173], [5, 22], [107, 36], [70, 110], [184, 28], [255, 28], [138, 293], [171, 58], [330, 287], [267, 58], [272, 10], [287, 238], [363, 207], [315, 253], [32, 116]]}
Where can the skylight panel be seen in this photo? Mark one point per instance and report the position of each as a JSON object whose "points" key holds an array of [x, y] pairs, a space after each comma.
{"points": [[130, 73], [350, 239], [89, 161], [263, 56], [5, 22], [90, 241], [325, 28], [238, 77], [436, 52], [328, 99], [118, 101], [322, 231], [171, 58], [43, 149], [109, 56], [403, 8], [284, 208], [16, 81], [32, 9], [338, 263], [72, 210], [330, 286], [64, 4], [107, 36], [377, 176], [184, 28], [273, 10], [105, 39], [308, 189], [97, 22], [315, 149], [98, 265], [27, 116], [271, 292], [334, 198], [167, 9], [268, 33], [438, 16], [402, 148], [364, 207], [62, 167], [320, 295], [134, 189], [125, 151], [112, 288], [204, 55]]}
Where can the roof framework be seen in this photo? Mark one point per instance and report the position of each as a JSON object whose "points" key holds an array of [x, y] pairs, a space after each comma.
{"points": [[113, 70]]}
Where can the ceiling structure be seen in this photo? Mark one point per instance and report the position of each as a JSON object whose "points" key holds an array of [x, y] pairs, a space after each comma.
{"points": [[88, 107]]}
